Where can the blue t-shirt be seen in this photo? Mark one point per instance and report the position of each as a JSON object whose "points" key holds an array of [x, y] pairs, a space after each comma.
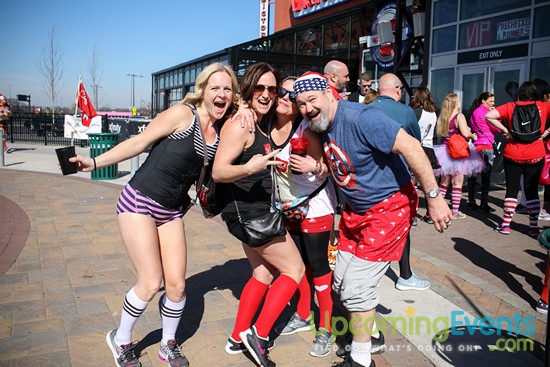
{"points": [[400, 113], [358, 146]]}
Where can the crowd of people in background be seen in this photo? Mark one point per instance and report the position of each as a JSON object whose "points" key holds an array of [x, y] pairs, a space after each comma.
{"points": [[366, 141]]}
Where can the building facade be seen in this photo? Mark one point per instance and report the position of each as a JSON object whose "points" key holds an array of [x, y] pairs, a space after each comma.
{"points": [[460, 46]]}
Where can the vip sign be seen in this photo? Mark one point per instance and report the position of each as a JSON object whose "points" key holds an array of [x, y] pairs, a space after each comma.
{"points": [[382, 38], [264, 18]]}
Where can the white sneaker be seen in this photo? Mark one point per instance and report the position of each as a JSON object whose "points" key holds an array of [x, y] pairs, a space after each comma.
{"points": [[544, 215]]}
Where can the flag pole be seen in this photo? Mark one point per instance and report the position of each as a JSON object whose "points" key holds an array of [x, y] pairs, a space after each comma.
{"points": [[75, 110]]}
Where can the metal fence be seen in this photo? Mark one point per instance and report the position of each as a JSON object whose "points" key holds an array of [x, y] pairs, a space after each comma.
{"points": [[45, 129], [39, 129]]}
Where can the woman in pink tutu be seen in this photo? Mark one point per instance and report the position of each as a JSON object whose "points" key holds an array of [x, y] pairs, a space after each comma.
{"points": [[452, 171]]}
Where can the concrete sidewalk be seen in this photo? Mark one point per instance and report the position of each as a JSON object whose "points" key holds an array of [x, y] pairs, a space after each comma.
{"points": [[66, 273]]}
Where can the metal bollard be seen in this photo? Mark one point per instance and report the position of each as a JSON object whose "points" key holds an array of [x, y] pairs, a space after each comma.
{"points": [[135, 164], [2, 153]]}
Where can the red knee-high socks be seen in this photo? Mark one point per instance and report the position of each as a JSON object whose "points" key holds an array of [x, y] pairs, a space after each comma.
{"points": [[280, 292], [303, 307], [251, 298], [323, 290], [544, 293]]}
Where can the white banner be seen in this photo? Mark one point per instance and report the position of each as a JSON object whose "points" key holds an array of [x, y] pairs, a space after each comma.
{"points": [[74, 129]]}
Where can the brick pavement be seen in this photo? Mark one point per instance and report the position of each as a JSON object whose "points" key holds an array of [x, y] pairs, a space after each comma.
{"points": [[65, 289]]}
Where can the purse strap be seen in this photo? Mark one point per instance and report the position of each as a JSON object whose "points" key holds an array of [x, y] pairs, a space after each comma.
{"points": [[205, 154]]}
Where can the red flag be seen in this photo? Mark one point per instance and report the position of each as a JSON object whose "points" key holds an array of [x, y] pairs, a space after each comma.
{"points": [[85, 105]]}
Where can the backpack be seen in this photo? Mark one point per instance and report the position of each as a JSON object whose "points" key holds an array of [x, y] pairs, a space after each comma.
{"points": [[525, 127]]}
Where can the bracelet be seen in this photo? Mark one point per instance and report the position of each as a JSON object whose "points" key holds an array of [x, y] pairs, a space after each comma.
{"points": [[95, 165], [317, 168]]}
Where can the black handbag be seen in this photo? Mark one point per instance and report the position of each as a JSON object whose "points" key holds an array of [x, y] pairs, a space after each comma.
{"points": [[205, 185], [257, 231]]}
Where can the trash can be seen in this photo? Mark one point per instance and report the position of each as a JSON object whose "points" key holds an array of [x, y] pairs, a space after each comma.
{"points": [[100, 143]]}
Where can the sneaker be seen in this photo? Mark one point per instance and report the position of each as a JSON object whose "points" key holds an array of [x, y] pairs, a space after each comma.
{"points": [[295, 324], [171, 353], [426, 218], [415, 222], [414, 283], [520, 209], [322, 344], [486, 209], [471, 205], [257, 347], [459, 215], [123, 354], [378, 345], [534, 232], [503, 230], [542, 307], [349, 362], [234, 347], [544, 215]]}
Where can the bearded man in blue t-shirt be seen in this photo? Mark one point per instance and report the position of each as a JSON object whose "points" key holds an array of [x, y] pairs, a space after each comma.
{"points": [[364, 147]]}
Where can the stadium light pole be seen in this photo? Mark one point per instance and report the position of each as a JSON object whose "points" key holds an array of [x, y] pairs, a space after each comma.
{"points": [[133, 91]]}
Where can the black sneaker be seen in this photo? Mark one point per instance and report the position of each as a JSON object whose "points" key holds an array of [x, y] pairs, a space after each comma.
{"points": [[378, 345], [471, 205], [171, 353], [123, 354], [234, 347], [257, 347], [486, 209], [349, 362]]}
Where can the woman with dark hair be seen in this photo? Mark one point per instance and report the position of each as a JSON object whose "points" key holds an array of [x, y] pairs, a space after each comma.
{"points": [[484, 145], [310, 228], [521, 158], [242, 164], [425, 109]]}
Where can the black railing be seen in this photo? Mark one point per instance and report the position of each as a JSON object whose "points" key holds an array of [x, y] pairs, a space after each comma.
{"points": [[39, 129]]}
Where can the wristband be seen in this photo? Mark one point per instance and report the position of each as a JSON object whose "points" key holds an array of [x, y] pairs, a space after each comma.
{"points": [[95, 165], [317, 168]]}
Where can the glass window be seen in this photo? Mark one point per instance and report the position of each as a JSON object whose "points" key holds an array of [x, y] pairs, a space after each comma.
{"points": [[444, 39], [445, 12], [540, 28], [539, 70], [442, 83], [336, 39], [309, 41], [477, 8], [494, 31]]}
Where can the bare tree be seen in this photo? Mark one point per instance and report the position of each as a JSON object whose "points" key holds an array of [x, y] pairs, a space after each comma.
{"points": [[50, 67], [96, 74]]}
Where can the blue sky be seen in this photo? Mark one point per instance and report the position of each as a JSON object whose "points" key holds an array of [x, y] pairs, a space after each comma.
{"points": [[131, 37]]}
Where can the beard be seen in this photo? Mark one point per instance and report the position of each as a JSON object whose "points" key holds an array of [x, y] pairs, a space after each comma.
{"points": [[320, 125]]}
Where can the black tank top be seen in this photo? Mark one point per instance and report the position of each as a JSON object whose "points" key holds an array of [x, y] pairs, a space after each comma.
{"points": [[172, 167], [252, 192]]}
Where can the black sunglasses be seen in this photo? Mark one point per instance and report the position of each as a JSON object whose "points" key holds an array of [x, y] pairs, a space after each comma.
{"points": [[271, 89], [291, 95]]}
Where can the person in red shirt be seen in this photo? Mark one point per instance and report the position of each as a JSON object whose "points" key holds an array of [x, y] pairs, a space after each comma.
{"points": [[525, 159], [5, 114]]}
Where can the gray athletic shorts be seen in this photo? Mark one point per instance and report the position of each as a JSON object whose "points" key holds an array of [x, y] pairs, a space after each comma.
{"points": [[357, 281]]}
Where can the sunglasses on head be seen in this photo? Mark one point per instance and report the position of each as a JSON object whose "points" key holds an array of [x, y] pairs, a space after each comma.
{"points": [[291, 95], [271, 89]]}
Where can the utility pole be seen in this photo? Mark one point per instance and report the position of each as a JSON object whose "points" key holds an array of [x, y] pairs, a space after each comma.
{"points": [[133, 92]]}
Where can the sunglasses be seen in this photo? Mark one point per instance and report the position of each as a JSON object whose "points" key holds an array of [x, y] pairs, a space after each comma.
{"points": [[291, 95], [272, 90]]}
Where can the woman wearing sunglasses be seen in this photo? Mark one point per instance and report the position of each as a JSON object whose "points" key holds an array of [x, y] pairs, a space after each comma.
{"points": [[309, 222], [241, 162]]}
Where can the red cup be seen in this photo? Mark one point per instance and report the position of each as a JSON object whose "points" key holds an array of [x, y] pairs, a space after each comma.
{"points": [[298, 146]]}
